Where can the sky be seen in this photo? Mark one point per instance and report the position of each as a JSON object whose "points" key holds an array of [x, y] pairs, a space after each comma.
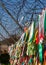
{"points": [[24, 15]]}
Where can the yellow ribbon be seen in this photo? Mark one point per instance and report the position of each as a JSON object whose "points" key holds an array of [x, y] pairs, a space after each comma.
{"points": [[35, 35]]}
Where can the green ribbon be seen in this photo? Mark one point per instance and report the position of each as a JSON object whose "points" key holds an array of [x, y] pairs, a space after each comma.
{"points": [[23, 63], [40, 52], [30, 61]]}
